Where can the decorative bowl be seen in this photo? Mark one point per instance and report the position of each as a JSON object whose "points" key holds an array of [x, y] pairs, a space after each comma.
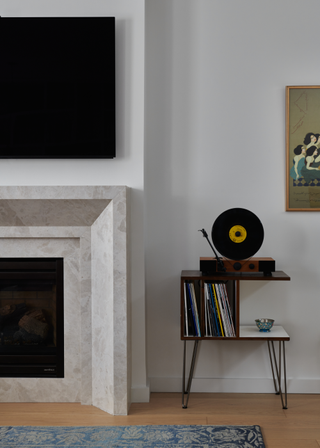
{"points": [[264, 324]]}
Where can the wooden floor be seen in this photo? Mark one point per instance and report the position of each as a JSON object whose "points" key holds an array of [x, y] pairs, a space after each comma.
{"points": [[296, 427]]}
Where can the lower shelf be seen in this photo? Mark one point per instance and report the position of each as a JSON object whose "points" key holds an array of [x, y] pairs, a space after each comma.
{"points": [[249, 333], [277, 333]]}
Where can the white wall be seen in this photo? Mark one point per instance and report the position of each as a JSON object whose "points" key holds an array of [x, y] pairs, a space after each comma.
{"points": [[216, 73], [215, 138], [127, 168]]}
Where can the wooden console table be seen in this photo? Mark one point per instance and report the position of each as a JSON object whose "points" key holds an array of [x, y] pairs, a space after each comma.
{"points": [[241, 333]]}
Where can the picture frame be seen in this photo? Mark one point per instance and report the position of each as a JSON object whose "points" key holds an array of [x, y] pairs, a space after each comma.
{"points": [[303, 148]]}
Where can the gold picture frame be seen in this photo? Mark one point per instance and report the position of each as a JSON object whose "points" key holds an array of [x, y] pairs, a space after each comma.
{"points": [[303, 148]]}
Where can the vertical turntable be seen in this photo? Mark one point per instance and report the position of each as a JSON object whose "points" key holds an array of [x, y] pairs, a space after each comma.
{"points": [[237, 234]]}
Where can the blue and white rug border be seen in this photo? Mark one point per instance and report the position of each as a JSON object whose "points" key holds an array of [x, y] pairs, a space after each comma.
{"points": [[133, 436]]}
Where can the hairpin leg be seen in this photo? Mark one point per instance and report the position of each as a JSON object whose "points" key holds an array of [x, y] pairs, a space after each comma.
{"points": [[271, 363], [278, 371], [279, 379], [194, 355], [184, 371], [285, 376]]}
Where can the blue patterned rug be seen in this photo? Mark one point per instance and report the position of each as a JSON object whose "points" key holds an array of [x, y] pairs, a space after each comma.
{"points": [[169, 436]]}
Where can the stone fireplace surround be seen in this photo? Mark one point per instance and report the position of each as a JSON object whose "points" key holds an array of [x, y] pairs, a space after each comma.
{"points": [[87, 226]]}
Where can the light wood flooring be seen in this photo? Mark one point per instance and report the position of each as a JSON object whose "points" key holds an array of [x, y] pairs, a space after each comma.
{"points": [[296, 427]]}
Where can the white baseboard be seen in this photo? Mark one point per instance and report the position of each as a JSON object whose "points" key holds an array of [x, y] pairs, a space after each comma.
{"points": [[235, 385], [140, 394]]}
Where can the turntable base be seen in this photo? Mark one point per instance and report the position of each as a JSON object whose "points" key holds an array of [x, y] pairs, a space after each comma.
{"points": [[209, 265]]}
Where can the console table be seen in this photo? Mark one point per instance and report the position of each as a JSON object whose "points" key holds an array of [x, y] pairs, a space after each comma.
{"points": [[241, 333]]}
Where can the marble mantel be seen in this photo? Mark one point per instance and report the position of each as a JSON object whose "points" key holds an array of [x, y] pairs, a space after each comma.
{"points": [[88, 227]]}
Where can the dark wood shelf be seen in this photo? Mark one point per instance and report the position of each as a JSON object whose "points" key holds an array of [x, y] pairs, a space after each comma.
{"points": [[233, 280], [197, 275]]}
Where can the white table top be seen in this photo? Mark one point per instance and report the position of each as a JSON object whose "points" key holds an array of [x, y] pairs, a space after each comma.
{"points": [[277, 332]]}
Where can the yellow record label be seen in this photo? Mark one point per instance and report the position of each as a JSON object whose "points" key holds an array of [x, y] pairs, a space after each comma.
{"points": [[237, 234]]}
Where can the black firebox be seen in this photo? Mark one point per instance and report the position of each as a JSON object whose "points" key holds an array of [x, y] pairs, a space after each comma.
{"points": [[31, 318]]}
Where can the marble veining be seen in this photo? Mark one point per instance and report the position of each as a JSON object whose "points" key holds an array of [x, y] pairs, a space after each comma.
{"points": [[87, 225], [51, 212]]}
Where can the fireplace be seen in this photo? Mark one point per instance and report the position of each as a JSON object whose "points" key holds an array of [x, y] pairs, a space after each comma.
{"points": [[31, 317], [87, 226]]}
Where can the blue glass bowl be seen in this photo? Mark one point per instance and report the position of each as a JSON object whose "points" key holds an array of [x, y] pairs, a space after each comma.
{"points": [[264, 324]]}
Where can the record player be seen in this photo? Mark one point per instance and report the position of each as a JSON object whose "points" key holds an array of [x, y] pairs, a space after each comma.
{"points": [[237, 234]]}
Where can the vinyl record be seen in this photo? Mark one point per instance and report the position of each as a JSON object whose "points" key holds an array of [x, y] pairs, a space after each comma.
{"points": [[237, 234]]}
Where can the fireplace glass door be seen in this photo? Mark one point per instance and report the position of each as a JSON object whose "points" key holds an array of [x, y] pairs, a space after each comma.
{"points": [[31, 317]]}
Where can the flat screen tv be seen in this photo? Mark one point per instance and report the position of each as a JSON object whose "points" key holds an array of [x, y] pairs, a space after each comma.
{"points": [[57, 87]]}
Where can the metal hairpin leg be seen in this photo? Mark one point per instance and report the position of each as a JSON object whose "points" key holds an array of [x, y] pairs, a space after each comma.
{"points": [[194, 355], [184, 372], [271, 363], [278, 371]]}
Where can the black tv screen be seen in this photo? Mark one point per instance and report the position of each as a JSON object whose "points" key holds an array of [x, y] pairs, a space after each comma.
{"points": [[57, 84]]}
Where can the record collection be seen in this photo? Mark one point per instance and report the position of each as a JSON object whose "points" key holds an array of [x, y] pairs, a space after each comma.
{"points": [[218, 318]]}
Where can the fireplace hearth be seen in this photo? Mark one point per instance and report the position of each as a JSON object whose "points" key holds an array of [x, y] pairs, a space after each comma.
{"points": [[31, 318]]}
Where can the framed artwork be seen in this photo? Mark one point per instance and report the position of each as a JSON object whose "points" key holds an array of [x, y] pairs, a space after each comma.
{"points": [[303, 148]]}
